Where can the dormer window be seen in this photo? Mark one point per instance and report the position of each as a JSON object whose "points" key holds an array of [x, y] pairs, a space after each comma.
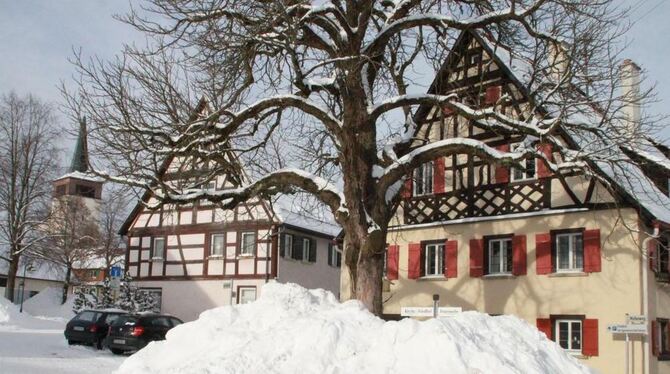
{"points": [[526, 173], [423, 179]]}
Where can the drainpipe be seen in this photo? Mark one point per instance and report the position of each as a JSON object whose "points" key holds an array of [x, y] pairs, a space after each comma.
{"points": [[645, 296]]}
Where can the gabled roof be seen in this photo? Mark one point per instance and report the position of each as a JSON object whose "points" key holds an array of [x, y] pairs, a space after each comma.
{"points": [[282, 212], [626, 175]]}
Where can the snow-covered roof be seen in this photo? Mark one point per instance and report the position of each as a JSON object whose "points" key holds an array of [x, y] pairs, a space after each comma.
{"points": [[82, 176], [40, 270], [625, 173], [97, 263], [287, 212]]}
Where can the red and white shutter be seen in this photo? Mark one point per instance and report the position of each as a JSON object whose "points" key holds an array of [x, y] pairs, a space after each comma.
{"points": [[543, 170], [592, 252], [654, 338], [407, 188], [544, 325], [501, 171], [392, 255], [519, 255], [590, 337], [451, 259], [438, 175], [543, 253], [414, 261], [476, 257]]}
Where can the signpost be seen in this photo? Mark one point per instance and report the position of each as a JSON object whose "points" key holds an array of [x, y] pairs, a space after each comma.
{"points": [[419, 311], [115, 275], [636, 325]]}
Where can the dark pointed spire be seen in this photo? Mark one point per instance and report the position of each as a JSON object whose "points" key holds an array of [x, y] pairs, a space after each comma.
{"points": [[80, 156]]}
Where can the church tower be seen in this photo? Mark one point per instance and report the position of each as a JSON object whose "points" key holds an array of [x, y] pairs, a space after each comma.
{"points": [[79, 181]]}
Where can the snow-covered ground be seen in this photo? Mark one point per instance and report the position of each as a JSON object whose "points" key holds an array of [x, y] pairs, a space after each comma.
{"points": [[294, 330], [36, 345]]}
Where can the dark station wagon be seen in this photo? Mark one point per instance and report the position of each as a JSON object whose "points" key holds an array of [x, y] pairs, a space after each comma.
{"points": [[133, 332], [90, 326]]}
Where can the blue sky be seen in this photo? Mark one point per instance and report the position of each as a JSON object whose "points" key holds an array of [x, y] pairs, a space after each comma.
{"points": [[37, 38]]}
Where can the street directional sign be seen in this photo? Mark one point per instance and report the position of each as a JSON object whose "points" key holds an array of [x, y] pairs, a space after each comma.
{"points": [[419, 311], [115, 272], [627, 329], [632, 319]]}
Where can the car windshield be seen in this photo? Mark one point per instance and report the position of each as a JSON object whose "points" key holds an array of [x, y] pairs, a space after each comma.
{"points": [[111, 318], [88, 316]]}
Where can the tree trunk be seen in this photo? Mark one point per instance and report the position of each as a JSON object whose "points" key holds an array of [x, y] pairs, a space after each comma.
{"points": [[11, 277], [66, 284], [369, 282]]}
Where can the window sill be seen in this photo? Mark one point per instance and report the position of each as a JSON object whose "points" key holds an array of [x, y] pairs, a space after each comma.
{"points": [[215, 257], [569, 274], [499, 276], [242, 256], [157, 259], [430, 278]]}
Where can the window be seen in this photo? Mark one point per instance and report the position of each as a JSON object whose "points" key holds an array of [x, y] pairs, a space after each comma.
{"points": [[433, 260], [175, 322], [160, 322], [663, 256], [569, 252], [335, 257], [88, 316], [217, 244], [248, 243], [85, 191], [246, 295], [110, 318], [662, 343], [423, 179], [568, 334], [523, 174], [60, 191], [159, 248], [499, 256], [305, 249], [288, 245]]}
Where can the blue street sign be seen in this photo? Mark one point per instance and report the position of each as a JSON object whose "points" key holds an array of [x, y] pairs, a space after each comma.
{"points": [[115, 272]]}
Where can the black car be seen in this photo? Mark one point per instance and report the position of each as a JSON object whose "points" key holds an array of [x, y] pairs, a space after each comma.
{"points": [[134, 331], [90, 326]]}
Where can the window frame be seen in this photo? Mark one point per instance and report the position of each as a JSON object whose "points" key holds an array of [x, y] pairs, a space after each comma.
{"points": [[439, 258], [663, 256], [508, 261], [153, 248], [306, 243], [240, 290], [663, 339], [569, 320], [421, 180], [288, 250], [211, 244], [513, 171], [242, 244], [336, 259], [572, 260]]}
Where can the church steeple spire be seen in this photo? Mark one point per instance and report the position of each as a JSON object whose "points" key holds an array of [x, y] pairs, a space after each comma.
{"points": [[80, 157]]}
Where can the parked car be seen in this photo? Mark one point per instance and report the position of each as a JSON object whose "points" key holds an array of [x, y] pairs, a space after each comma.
{"points": [[132, 332], [91, 326]]}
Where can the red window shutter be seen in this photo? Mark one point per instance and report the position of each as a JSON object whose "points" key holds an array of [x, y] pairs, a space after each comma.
{"points": [[447, 111], [476, 257], [492, 94], [654, 338], [652, 245], [451, 256], [392, 262], [592, 258], [414, 262], [590, 337], [519, 255], [542, 170], [543, 253], [544, 325], [407, 189], [502, 172], [438, 175]]}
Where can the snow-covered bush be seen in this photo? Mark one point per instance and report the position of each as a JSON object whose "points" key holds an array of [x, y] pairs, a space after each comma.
{"points": [[294, 330]]}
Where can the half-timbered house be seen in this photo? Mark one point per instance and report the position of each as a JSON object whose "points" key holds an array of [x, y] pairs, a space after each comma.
{"points": [[198, 256], [566, 254]]}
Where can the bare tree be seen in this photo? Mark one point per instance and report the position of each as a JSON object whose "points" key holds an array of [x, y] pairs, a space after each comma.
{"points": [[110, 245], [73, 236], [28, 158], [318, 98]]}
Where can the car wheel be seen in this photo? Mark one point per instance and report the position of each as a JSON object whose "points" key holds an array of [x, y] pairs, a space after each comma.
{"points": [[116, 351], [98, 344], [71, 342]]}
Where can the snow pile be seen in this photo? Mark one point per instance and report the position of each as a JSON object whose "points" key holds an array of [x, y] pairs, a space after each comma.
{"points": [[9, 313], [47, 305], [294, 330]]}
